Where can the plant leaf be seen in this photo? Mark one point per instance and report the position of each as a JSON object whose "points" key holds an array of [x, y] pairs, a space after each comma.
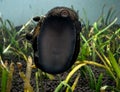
{"points": [[114, 64]]}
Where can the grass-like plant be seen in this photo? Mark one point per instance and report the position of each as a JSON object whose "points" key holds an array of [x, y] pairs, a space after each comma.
{"points": [[7, 75], [12, 45], [12, 42], [26, 77]]}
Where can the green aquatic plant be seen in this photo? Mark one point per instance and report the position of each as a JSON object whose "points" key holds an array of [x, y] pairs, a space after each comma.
{"points": [[106, 18], [94, 83], [99, 39], [11, 40], [6, 75], [26, 77], [65, 83], [11, 46], [112, 66]]}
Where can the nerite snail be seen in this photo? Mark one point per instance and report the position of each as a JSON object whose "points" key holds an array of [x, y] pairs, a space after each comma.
{"points": [[56, 40]]}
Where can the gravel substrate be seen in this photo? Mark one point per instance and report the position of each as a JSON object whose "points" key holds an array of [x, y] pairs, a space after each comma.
{"points": [[50, 85]]}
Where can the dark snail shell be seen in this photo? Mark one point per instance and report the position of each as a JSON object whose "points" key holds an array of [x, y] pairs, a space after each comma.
{"points": [[56, 45]]}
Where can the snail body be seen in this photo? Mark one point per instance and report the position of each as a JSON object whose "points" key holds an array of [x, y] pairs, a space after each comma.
{"points": [[56, 40]]}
